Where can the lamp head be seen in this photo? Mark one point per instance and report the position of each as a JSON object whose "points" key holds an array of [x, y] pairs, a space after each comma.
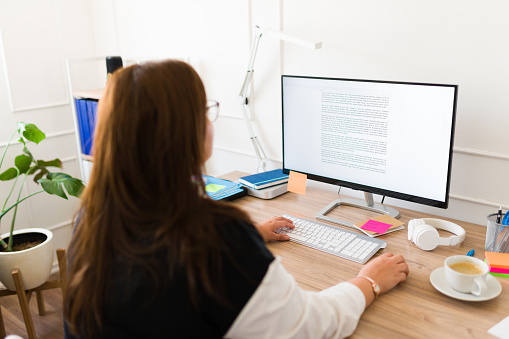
{"points": [[286, 37]]}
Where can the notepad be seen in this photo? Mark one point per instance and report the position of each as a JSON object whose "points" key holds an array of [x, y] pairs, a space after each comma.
{"points": [[497, 260], [264, 179], [376, 226], [221, 189], [501, 329], [383, 218]]}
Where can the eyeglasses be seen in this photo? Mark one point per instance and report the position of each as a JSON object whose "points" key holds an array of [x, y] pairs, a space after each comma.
{"points": [[212, 110]]}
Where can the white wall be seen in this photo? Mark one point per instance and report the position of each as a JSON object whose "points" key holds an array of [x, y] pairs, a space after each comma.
{"points": [[35, 38], [457, 41]]}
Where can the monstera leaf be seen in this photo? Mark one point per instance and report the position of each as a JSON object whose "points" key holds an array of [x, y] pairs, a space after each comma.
{"points": [[30, 132], [56, 182]]}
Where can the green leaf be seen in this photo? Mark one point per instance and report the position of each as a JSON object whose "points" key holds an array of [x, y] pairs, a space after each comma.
{"points": [[41, 174], [74, 187], [53, 187], [26, 151], [23, 162], [41, 166], [31, 132], [53, 163], [9, 174], [57, 181]]}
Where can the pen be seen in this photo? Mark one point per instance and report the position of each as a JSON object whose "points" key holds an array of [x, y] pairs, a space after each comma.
{"points": [[471, 253], [499, 215], [505, 220]]}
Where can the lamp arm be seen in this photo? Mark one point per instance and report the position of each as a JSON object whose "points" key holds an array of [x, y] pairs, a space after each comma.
{"points": [[261, 157], [244, 103], [250, 66]]}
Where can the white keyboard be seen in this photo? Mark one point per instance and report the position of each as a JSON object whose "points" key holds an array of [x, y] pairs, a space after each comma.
{"points": [[345, 244]]}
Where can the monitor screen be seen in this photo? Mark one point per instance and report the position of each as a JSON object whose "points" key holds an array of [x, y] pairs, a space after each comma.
{"points": [[383, 137]]}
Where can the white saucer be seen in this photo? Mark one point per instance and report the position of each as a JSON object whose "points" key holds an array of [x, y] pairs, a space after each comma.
{"points": [[438, 280]]}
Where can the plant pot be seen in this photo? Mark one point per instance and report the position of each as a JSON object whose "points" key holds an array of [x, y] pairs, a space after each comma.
{"points": [[34, 263]]}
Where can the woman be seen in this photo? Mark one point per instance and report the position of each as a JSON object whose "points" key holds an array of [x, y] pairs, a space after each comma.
{"points": [[153, 256]]}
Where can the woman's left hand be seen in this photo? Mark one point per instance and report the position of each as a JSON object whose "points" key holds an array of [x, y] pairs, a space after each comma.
{"points": [[267, 228]]}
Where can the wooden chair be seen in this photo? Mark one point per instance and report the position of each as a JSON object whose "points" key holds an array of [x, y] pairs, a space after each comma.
{"points": [[24, 295]]}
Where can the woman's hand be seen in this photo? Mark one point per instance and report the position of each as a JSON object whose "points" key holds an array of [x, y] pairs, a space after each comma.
{"points": [[267, 228], [387, 271]]}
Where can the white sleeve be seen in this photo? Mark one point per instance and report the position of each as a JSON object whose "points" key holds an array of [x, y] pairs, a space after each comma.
{"points": [[279, 308]]}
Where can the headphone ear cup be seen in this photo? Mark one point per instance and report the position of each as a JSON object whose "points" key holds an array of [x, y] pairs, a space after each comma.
{"points": [[411, 227], [426, 237]]}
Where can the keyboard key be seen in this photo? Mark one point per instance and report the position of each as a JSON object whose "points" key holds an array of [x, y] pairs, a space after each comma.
{"points": [[299, 237]]}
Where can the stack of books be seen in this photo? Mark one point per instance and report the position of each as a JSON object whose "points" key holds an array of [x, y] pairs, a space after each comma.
{"points": [[266, 185], [221, 189], [498, 263]]}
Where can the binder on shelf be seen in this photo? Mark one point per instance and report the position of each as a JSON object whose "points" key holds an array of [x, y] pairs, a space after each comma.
{"points": [[264, 179], [86, 111], [81, 110], [221, 189], [91, 112], [81, 126]]}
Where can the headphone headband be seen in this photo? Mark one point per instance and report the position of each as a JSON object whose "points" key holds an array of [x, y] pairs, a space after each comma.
{"points": [[424, 234], [450, 227]]}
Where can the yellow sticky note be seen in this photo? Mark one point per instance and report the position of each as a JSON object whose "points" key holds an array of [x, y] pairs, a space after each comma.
{"points": [[297, 182], [213, 188]]}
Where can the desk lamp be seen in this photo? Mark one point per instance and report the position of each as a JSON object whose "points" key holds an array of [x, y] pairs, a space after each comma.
{"points": [[243, 100]]}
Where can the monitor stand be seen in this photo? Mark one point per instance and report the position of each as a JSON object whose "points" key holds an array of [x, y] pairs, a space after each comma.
{"points": [[367, 205]]}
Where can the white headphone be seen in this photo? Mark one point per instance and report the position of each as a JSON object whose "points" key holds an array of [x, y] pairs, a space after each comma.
{"points": [[423, 233]]}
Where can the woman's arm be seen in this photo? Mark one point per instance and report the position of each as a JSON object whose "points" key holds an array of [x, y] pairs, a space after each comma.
{"points": [[387, 271], [279, 308]]}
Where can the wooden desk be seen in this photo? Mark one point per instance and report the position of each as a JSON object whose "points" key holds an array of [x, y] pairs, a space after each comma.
{"points": [[414, 308]]}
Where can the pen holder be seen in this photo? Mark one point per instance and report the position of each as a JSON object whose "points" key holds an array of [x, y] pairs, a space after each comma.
{"points": [[497, 236]]}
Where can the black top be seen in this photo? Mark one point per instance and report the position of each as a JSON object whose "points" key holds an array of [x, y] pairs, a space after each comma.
{"points": [[137, 314]]}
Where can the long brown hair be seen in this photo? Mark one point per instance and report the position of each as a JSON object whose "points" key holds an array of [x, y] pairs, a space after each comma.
{"points": [[145, 189]]}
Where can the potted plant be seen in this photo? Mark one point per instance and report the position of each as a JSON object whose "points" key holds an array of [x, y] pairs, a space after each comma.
{"points": [[30, 250]]}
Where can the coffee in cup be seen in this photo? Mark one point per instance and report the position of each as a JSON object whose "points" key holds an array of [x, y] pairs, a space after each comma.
{"points": [[466, 274], [466, 267]]}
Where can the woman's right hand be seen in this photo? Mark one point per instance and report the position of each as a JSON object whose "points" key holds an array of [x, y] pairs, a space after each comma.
{"points": [[387, 271]]}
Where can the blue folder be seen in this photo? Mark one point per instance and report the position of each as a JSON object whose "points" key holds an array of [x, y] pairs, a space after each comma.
{"points": [[221, 189], [80, 124], [86, 111], [91, 113], [81, 111]]}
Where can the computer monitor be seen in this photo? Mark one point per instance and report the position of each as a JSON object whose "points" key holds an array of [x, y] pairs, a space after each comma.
{"points": [[381, 137]]}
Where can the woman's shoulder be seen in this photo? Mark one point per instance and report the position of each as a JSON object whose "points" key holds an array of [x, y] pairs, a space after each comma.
{"points": [[242, 238], [237, 229]]}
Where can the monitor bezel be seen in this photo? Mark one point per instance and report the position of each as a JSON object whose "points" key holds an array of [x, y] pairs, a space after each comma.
{"points": [[371, 189]]}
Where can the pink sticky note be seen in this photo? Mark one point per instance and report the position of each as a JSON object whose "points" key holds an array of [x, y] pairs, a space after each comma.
{"points": [[376, 226], [297, 182], [499, 270]]}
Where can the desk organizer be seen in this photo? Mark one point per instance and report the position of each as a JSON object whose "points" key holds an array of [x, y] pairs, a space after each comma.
{"points": [[497, 236]]}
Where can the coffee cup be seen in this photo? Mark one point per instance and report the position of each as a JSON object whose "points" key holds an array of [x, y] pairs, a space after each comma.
{"points": [[466, 274]]}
